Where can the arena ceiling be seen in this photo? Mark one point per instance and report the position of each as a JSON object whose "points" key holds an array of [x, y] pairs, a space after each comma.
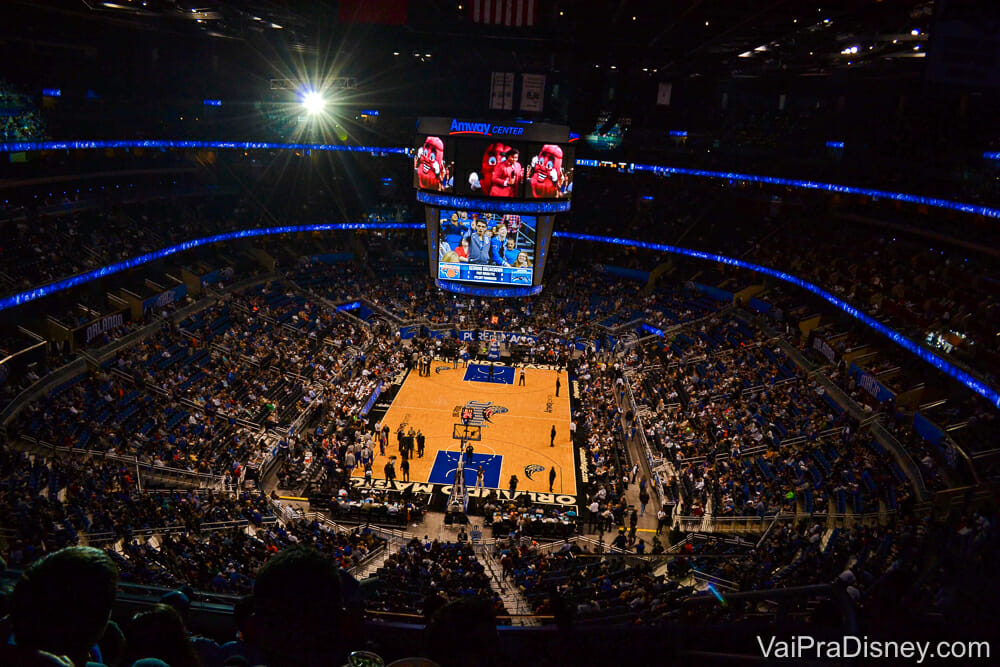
{"points": [[671, 38]]}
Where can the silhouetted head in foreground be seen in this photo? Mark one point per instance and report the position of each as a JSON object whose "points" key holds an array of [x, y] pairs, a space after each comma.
{"points": [[298, 612], [63, 602]]}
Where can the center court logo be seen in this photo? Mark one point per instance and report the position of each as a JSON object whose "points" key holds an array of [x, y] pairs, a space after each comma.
{"points": [[478, 413], [530, 470]]}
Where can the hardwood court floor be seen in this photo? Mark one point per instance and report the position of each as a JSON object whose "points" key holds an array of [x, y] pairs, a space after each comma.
{"points": [[519, 436]]}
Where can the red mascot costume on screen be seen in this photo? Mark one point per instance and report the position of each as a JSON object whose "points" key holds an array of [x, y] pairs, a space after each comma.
{"points": [[507, 175], [430, 164], [493, 155], [546, 172]]}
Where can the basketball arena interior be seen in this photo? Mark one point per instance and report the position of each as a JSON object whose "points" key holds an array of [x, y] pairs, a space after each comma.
{"points": [[499, 332]]}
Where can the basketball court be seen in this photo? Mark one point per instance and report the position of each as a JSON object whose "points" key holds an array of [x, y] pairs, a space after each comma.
{"points": [[508, 426]]}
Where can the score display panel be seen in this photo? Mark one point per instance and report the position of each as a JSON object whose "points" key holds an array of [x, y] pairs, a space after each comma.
{"points": [[506, 251], [490, 189], [483, 247]]}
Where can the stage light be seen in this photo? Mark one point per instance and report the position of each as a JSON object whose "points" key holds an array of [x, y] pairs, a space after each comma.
{"points": [[313, 102]]}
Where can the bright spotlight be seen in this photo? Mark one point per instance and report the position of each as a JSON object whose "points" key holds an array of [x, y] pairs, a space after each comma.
{"points": [[313, 102]]}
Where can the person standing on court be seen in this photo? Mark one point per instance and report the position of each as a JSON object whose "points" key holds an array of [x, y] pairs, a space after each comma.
{"points": [[552, 436], [552, 478], [513, 485], [520, 381], [558, 384], [420, 443], [491, 372], [481, 478], [468, 454]]}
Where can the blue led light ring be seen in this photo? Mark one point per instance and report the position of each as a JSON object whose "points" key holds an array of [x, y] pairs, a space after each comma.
{"points": [[492, 205], [509, 207], [20, 146], [79, 279], [962, 207], [461, 288], [942, 365]]}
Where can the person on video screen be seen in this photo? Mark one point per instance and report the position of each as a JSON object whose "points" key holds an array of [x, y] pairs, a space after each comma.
{"points": [[546, 172], [497, 245], [462, 251], [479, 244], [510, 251], [483, 180], [454, 228], [429, 164], [507, 175]]}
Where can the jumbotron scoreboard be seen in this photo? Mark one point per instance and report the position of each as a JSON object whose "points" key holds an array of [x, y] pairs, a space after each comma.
{"points": [[491, 192]]}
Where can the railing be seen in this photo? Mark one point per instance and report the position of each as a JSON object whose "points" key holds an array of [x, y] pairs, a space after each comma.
{"points": [[50, 381], [210, 527], [718, 582], [205, 480], [733, 524], [701, 537], [397, 538], [652, 464], [362, 565], [781, 599], [79, 365], [903, 458], [838, 395]]}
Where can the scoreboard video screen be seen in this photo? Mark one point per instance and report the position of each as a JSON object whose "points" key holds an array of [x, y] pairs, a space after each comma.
{"points": [[514, 170], [515, 161], [491, 248], [491, 190]]}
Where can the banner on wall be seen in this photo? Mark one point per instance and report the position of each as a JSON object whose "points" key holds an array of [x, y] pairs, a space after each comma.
{"points": [[502, 91], [532, 92], [84, 334], [164, 299], [484, 335], [821, 346], [498, 336], [473, 335], [870, 383]]}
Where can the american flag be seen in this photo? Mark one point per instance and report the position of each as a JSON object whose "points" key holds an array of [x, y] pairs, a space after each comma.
{"points": [[517, 13]]}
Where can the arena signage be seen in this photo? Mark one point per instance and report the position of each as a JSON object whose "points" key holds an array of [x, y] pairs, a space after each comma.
{"points": [[486, 128], [824, 348], [428, 489], [499, 336], [869, 383], [164, 299], [104, 325], [88, 332]]}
